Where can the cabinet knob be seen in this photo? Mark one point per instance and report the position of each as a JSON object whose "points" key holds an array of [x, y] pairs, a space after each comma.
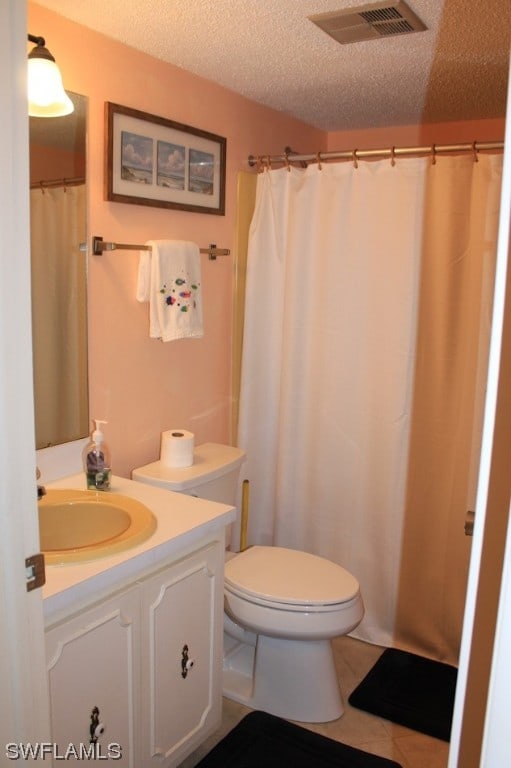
{"points": [[186, 662], [96, 728]]}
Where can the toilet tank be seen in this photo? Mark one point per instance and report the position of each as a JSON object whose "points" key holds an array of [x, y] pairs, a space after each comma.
{"points": [[213, 475]]}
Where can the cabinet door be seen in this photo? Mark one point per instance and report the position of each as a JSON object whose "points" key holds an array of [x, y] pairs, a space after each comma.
{"points": [[182, 610], [93, 662]]}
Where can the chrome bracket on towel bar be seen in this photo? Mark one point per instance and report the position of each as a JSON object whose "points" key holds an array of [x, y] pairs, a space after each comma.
{"points": [[99, 246]]}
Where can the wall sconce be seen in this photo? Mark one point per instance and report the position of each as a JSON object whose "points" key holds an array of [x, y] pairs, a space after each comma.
{"points": [[46, 94]]}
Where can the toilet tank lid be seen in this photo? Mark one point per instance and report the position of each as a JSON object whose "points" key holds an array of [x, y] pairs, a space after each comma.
{"points": [[210, 460]]}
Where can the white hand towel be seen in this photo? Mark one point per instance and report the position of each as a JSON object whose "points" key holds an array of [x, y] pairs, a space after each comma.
{"points": [[175, 294], [144, 276]]}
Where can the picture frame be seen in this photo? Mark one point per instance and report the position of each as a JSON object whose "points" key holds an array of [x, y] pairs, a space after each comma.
{"points": [[151, 160]]}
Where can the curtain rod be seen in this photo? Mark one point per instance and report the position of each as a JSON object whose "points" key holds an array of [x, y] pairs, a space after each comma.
{"points": [[359, 154], [57, 183]]}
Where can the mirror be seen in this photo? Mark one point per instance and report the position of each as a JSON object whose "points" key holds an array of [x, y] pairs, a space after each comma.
{"points": [[58, 212]]}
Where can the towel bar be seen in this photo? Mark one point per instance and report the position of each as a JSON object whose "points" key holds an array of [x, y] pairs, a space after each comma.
{"points": [[99, 246]]}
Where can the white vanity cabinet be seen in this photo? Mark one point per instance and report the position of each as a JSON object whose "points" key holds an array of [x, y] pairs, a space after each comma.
{"points": [[93, 662], [149, 658], [182, 657]]}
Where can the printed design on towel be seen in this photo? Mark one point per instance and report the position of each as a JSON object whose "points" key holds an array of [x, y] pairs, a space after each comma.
{"points": [[180, 294]]}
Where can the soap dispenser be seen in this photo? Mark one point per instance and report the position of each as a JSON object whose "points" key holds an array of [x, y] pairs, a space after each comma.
{"points": [[97, 460]]}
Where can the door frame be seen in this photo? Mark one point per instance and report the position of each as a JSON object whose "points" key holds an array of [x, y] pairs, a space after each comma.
{"points": [[24, 710], [478, 735]]}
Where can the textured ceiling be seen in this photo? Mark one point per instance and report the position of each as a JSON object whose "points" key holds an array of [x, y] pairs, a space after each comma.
{"points": [[269, 51]]}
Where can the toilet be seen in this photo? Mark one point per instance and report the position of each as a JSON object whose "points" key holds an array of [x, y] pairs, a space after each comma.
{"points": [[282, 607]]}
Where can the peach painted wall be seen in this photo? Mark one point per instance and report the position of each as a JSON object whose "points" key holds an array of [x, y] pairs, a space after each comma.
{"points": [[142, 386], [418, 135], [139, 385]]}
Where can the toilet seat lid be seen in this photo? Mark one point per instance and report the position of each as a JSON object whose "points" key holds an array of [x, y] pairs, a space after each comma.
{"points": [[281, 575]]}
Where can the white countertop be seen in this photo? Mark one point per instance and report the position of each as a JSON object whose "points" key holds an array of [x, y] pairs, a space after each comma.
{"points": [[182, 522]]}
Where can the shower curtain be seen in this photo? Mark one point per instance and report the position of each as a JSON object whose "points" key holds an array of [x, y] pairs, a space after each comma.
{"points": [[365, 338], [58, 225]]}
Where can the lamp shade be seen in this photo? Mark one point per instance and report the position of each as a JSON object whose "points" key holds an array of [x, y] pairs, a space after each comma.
{"points": [[46, 94]]}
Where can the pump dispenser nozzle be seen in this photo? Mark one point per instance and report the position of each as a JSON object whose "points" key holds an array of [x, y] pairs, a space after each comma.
{"points": [[97, 435]]}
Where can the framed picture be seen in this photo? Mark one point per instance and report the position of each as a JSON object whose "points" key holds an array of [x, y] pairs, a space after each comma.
{"points": [[154, 161]]}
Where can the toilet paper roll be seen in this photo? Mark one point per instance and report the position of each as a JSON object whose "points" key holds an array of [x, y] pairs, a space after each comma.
{"points": [[177, 448]]}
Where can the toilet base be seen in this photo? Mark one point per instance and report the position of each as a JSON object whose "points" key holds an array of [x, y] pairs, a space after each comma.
{"points": [[293, 679]]}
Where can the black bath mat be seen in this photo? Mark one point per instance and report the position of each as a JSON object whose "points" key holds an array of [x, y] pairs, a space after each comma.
{"points": [[410, 690], [261, 740]]}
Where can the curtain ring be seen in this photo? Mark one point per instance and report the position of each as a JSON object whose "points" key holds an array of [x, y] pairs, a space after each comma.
{"points": [[392, 156], [288, 164], [268, 162], [433, 155], [354, 156], [259, 164], [41, 186], [474, 152]]}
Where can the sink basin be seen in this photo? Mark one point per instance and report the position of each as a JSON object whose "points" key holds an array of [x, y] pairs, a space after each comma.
{"points": [[76, 526]]}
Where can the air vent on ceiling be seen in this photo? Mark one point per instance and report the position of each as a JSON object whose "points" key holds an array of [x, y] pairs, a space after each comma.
{"points": [[369, 22]]}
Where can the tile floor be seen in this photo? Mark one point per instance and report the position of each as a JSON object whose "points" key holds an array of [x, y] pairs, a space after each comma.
{"points": [[359, 729]]}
